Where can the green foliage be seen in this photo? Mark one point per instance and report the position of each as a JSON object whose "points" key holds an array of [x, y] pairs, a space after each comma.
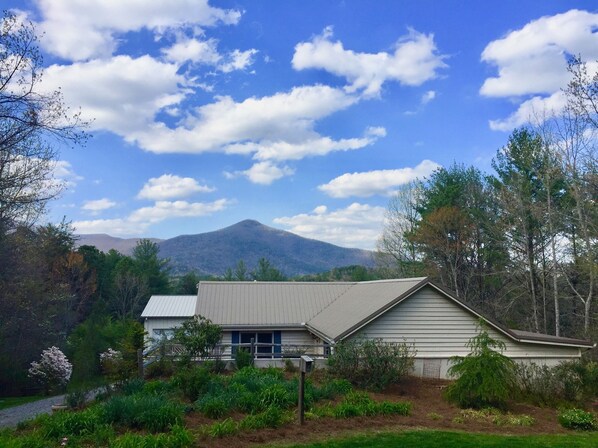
{"points": [[76, 399], [357, 404], [198, 336], [371, 363], [569, 382], [178, 437], [152, 413], [163, 368], [578, 419], [67, 423], [213, 407], [132, 386], [265, 272], [485, 377], [243, 358], [224, 428], [192, 381]]}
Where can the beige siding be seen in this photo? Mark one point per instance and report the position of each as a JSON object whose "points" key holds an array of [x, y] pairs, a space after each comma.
{"points": [[439, 328]]}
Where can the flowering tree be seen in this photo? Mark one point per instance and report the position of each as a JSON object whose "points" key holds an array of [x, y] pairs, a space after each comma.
{"points": [[53, 370]]}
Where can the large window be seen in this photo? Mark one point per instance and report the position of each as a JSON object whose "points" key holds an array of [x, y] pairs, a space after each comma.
{"points": [[259, 338]]}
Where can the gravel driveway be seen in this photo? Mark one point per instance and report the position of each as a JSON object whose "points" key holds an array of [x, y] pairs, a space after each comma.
{"points": [[12, 416]]}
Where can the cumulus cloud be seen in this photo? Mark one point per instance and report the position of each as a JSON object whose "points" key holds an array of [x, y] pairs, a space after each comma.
{"points": [[414, 61], [77, 30], [63, 173], [170, 186], [263, 173], [428, 96], [98, 205], [532, 61], [206, 52], [358, 225], [124, 98], [382, 182], [140, 220]]}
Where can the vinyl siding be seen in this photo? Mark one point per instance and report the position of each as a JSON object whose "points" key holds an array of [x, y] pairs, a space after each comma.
{"points": [[439, 328], [161, 323]]}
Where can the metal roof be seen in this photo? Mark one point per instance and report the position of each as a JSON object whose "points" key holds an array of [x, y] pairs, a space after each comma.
{"points": [[170, 306], [359, 304], [265, 303]]}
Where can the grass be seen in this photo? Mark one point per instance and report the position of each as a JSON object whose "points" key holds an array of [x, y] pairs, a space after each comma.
{"points": [[432, 439], [11, 402]]}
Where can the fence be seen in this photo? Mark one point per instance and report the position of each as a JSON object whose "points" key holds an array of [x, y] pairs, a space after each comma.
{"points": [[226, 352]]}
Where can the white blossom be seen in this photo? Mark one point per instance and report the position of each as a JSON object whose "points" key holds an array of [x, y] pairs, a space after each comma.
{"points": [[53, 368]]}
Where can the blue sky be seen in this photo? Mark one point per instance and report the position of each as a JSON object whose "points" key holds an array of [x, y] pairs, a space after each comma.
{"points": [[304, 115]]}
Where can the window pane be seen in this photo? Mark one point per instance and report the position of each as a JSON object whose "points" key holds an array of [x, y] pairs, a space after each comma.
{"points": [[265, 338]]}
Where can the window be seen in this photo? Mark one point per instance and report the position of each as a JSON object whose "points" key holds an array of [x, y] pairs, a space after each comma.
{"points": [[262, 351]]}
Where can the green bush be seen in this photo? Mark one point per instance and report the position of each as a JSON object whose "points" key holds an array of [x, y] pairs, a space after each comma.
{"points": [[132, 386], [162, 368], [76, 399], [153, 413], [213, 407], [485, 377], [569, 382], [192, 381], [272, 417], [243, 359], [372, 363], [578, 419], [68, 424], [156, 387], [276, 395]]}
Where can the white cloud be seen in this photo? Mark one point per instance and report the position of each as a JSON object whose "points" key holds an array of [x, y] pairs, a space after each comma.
{"points": [[98, 205], [79, 30], [141, 219], [117, 94], [530, 111], [532, 61], [263, 173], [194, 50], [206, 52], [414, 61], [277, 127], [63, 172], [382, 182], [237, 60], [358, 225], [170, 186], [428, 96]]}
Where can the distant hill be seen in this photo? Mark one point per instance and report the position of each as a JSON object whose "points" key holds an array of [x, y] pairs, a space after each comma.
{"points": [[106, 242], [212, 253]]}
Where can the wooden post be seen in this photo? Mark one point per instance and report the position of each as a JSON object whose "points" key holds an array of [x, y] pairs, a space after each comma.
{"points": [[140, 363], [253, 348], [302, 398]]}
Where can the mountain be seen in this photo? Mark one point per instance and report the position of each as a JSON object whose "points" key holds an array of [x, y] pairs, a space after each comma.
{"points": [[214, 252], [106, 242]]}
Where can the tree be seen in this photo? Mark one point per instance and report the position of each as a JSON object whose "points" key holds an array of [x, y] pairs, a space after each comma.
{"points": [[198, 336], [265, 272], [485, 377], [150, 267], [187, 284], [241, 274], [582, 91], [29, 118]]}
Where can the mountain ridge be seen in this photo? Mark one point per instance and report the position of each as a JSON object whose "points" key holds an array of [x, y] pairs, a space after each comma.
{"points": [[211, 253]]}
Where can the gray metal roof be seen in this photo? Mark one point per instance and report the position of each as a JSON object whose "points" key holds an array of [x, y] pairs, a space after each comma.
{"points": [[359, 304], [265, 303], [170, 306]]}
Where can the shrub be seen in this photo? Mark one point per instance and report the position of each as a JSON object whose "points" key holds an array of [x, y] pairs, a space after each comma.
{"points": [[485, 376], [578, 419], [290, 367], [570, 382], [76, 399], [213, 407], [243, 359], [272, 417], [192, 381], [160, 369], [275, 395], [372, 364], [53, 370], [198, 336], [132, 386], [140, 411], [68, 424]]}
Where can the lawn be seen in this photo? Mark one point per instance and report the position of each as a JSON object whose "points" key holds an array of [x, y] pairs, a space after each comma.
{"points": [[433, 439], [10, 402]]}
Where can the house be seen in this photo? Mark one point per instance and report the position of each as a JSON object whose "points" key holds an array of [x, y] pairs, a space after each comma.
{"points": [[283, 317]]}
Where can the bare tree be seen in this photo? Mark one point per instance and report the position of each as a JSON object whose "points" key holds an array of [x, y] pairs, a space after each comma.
{"points": [[29, 120]]}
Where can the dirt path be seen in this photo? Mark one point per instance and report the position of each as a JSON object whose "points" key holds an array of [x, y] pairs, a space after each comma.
{"points": [[12, 416]]}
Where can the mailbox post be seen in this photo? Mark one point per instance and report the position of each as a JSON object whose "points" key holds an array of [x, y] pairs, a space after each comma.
{"points": [[305, 366]]}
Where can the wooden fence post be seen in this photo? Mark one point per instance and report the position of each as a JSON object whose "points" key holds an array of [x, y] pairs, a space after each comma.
{"points": [[140, 363]]}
